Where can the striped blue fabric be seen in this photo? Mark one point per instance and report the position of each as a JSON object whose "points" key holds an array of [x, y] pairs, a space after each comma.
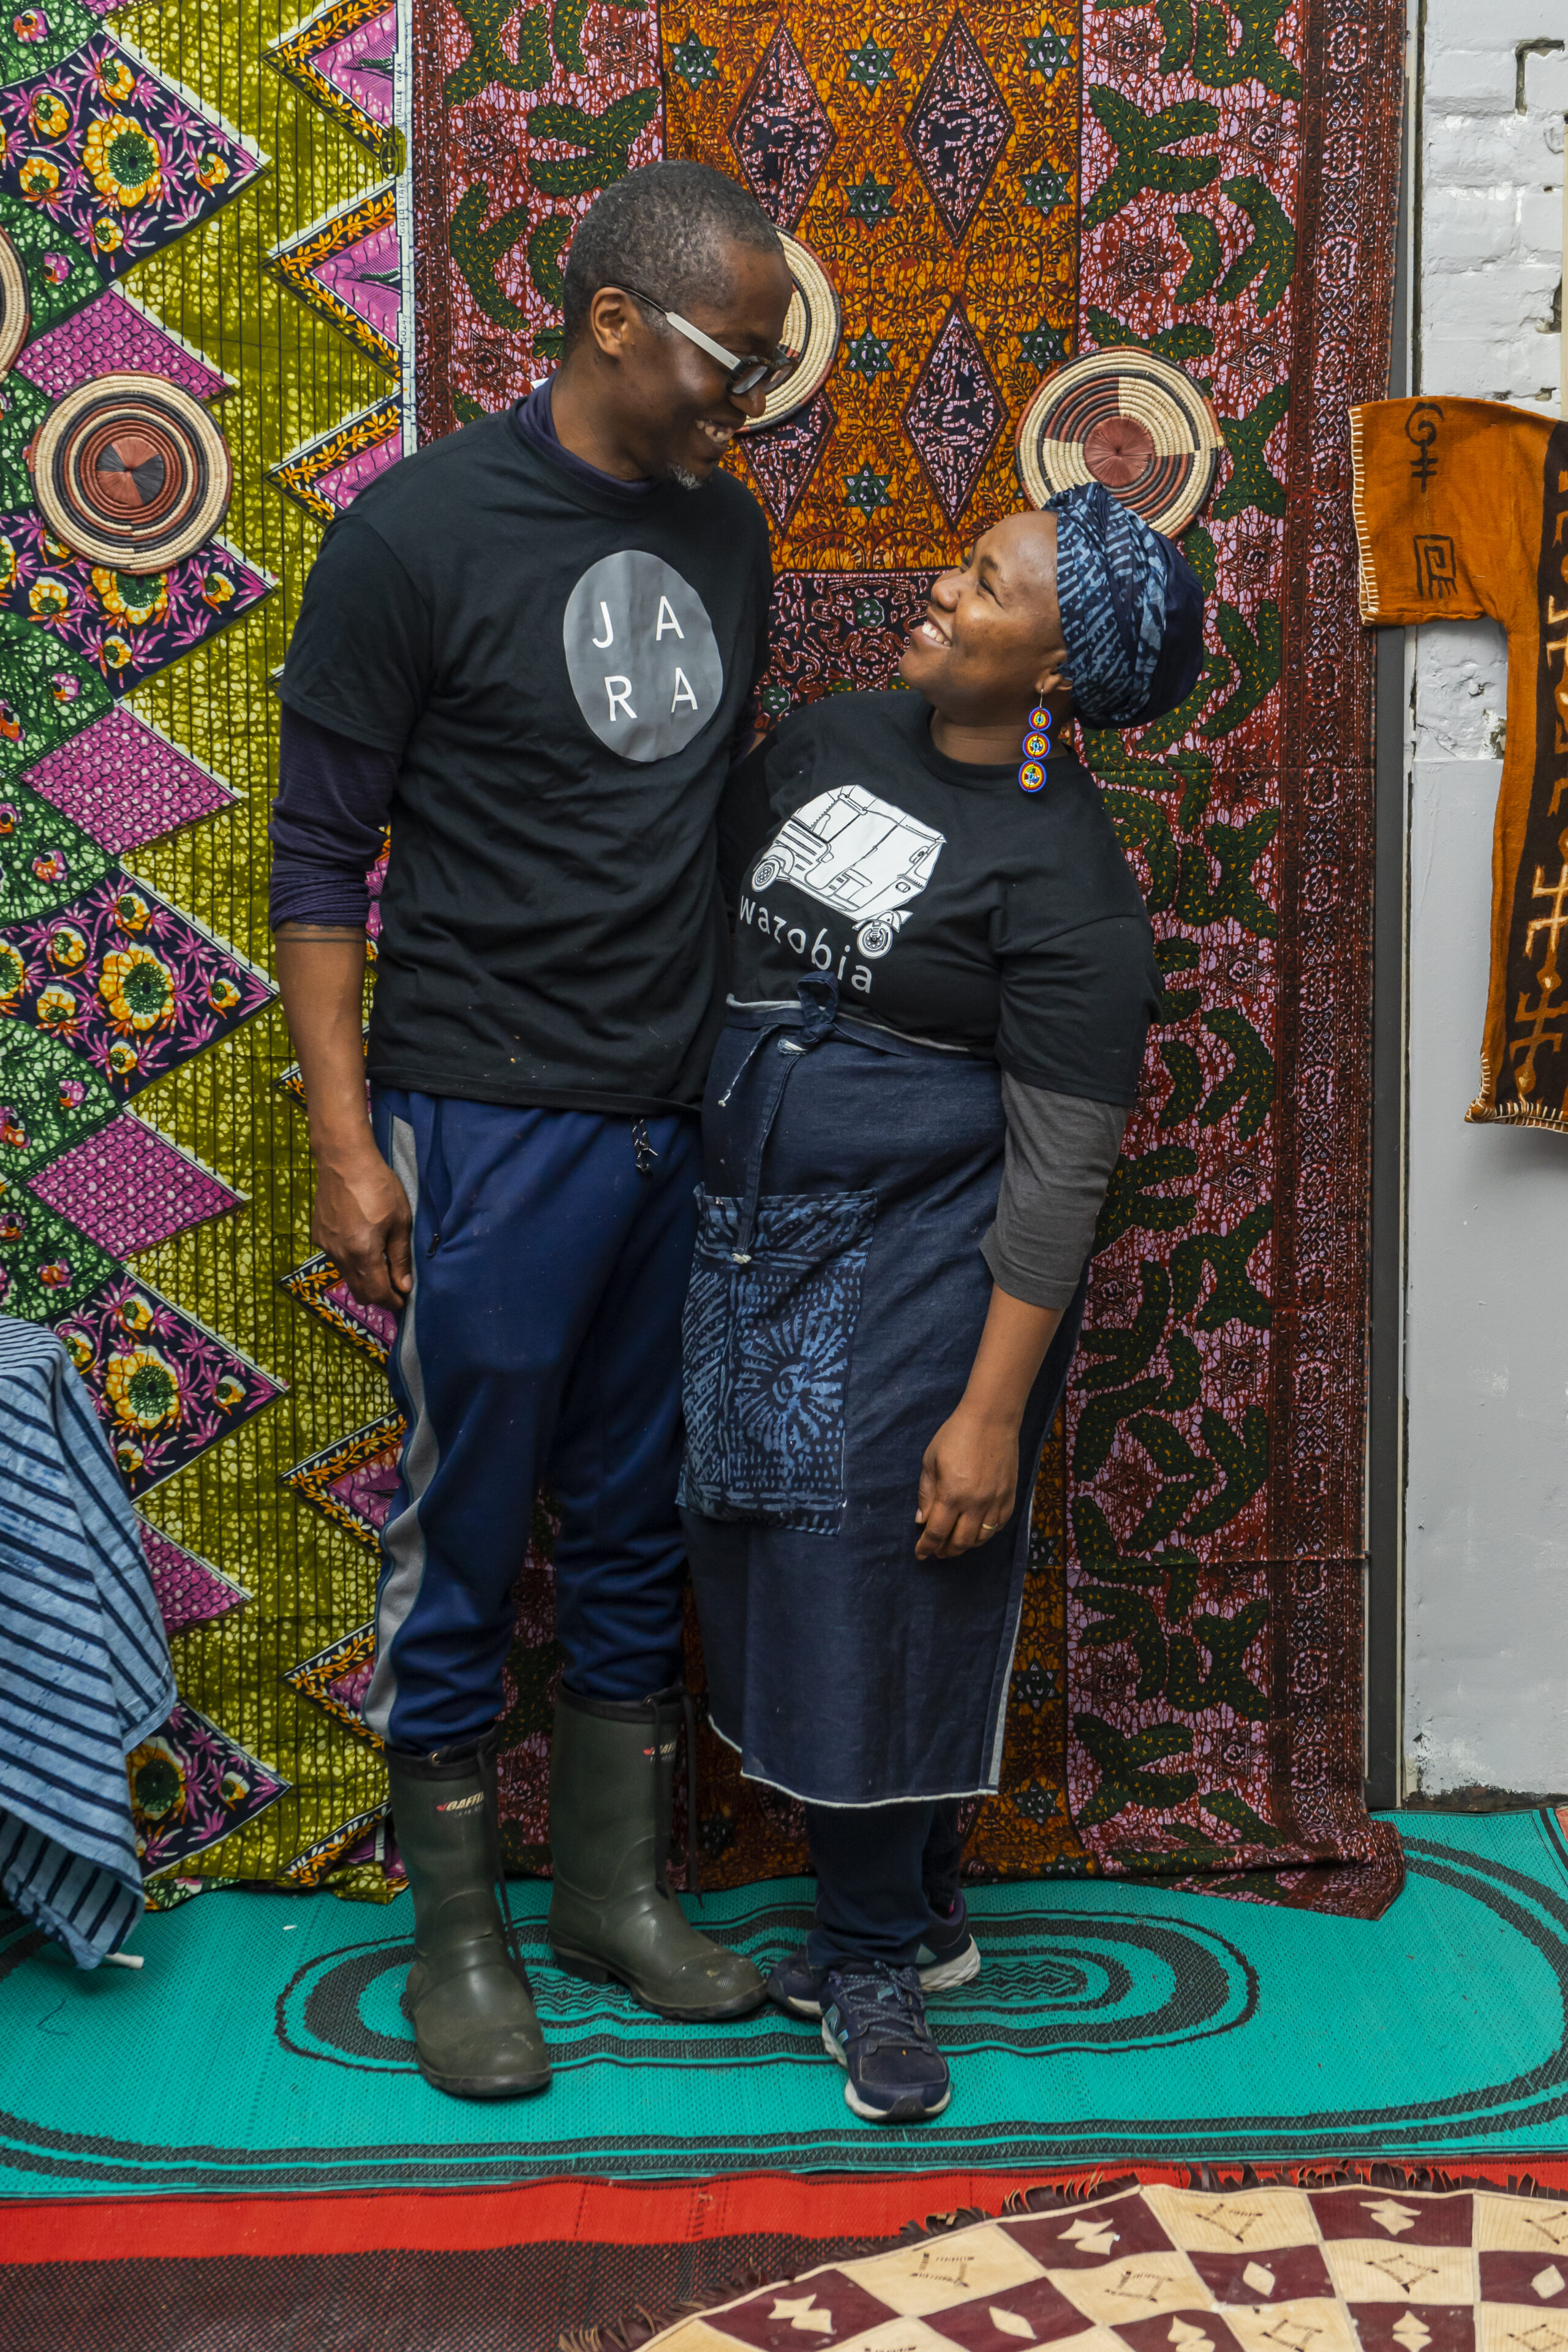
{"points": [[84, 1659]]}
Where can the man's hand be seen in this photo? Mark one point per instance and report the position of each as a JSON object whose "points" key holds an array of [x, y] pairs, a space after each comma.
{"points": [[969, 1481], [362, 1220], [360, 1217]]}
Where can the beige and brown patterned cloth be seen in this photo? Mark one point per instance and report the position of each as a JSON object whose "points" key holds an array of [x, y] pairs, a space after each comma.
{"points": [[1156, 2268]]}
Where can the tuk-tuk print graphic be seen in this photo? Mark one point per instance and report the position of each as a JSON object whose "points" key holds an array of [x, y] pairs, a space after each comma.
{"points": [[859, 856]]}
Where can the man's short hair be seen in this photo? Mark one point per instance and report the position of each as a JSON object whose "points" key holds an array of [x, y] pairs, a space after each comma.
{"points": [[665, 230]]}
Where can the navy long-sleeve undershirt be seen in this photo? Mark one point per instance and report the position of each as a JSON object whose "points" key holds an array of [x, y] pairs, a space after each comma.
{"points": [[334, 797]]}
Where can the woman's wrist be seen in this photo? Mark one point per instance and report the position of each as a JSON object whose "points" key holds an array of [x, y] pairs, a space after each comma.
{"points": [[996, 1416]]}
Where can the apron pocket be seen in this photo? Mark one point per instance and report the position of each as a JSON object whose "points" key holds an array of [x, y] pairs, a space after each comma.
{"points": [[766, 1348]]}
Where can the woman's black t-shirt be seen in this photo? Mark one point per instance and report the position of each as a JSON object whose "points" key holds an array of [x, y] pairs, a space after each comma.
{"points": [[949, 905]]}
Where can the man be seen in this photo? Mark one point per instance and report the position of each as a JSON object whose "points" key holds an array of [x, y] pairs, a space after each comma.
{"points": [[532, 647]]}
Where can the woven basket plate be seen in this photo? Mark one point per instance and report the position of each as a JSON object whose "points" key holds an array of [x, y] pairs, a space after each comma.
{"points": [[130, 472], [811, 328], [13, 304], [1128, 420]]}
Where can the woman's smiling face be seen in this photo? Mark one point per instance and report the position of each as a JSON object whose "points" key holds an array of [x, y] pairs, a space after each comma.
{"points": [[990, 642]]}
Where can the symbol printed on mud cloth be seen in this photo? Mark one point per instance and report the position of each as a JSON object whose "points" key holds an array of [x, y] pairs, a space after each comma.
{"points": [[1539, 1036], [1555, 922], [641, 655], [856, 854], [1437, 574], [1421, 426]]}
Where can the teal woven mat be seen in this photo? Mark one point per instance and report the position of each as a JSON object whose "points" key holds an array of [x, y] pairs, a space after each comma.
{"points": [[262, 2048]]}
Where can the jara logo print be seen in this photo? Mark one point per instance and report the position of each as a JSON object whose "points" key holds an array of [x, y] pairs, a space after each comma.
{"points": [[857, 854], [641, 655]]}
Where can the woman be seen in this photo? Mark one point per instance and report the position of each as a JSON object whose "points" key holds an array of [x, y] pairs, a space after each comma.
{"points": [[943, 988]]}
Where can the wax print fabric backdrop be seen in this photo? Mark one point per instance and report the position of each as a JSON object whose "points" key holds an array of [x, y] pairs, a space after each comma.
{"points": [[109, 988], [988, 190], [150, 1198], [1462, 508]]}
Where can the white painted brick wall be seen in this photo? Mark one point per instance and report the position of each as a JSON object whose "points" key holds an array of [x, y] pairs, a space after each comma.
{"points": [[1487, 1307], [1491, 202], [1485, 319]]}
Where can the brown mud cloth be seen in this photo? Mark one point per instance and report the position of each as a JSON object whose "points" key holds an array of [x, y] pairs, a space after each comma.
{"points": [[1461, 510]]}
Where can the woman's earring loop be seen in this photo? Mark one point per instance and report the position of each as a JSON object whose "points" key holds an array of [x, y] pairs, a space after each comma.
{"points": [[1036, 750]]}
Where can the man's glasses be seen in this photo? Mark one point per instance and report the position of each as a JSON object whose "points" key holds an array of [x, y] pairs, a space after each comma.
{"points": [[742, 376]]}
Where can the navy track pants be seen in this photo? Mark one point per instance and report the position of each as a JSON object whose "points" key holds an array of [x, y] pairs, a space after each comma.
{"points": [[540, 1346]]}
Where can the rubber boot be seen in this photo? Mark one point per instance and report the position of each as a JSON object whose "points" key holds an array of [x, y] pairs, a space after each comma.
{"points": [[612, 1911], [475, 2031]]}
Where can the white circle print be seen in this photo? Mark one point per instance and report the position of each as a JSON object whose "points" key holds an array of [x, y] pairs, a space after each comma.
{"points": [[641, 655]]}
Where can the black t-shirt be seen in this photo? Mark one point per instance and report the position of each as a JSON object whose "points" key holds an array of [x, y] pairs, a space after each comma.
{"points": [[949, 905], [561, 672]]}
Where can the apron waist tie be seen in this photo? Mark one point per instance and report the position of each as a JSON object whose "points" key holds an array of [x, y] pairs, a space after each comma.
{"points": [[818, 1012]]}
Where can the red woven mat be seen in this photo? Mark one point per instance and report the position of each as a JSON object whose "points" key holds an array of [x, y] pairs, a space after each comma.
{"points": [[478, 2270]]}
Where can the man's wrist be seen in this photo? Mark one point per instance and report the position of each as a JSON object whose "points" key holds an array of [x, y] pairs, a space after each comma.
{"points": [[335, 1145]]}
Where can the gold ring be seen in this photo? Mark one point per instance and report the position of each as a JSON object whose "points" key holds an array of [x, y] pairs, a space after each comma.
{"points": [[984, 1524]]}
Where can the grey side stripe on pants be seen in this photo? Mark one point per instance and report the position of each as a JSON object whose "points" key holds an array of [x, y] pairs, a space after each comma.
{"points": [[403, 1538]]}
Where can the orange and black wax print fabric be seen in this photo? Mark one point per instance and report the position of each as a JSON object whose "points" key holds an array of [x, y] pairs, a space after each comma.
{"points": [[1462, 508], [991, 189]]}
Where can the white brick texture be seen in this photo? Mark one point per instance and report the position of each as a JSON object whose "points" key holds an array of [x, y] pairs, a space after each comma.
{"points": [[1491, 242], [1486, 1282]]}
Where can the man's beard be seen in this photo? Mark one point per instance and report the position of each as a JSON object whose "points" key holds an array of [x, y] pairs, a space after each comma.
{"points": [[685, 476]]}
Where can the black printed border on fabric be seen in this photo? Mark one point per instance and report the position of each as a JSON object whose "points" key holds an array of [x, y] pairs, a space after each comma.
{"points": [[1536, 1008]]}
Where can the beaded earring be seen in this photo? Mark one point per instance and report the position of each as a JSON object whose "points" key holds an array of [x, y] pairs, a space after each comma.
{"points": [[1037, 748]]}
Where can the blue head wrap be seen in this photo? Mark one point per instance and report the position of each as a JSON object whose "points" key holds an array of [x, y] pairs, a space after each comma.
{"points": [[1133, 611]]}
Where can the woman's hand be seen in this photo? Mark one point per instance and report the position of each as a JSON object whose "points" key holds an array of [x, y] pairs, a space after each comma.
{"points": [[969, 1481]]}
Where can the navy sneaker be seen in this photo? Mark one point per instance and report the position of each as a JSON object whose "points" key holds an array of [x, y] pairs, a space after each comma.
{"points": [[874, 2023], [949, 1955], [795, 1985]]}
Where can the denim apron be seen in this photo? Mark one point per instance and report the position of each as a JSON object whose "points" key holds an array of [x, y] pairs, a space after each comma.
{"points": [[837, 1298]]}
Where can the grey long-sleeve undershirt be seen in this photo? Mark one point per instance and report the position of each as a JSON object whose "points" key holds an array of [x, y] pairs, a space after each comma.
{"points": [[1061, 1151]]}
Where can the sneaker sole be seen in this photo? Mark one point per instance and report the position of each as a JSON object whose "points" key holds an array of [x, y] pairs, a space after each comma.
{"points": [[942, 1976], [801, 2007], [962, 1969], [912, 2110]]}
